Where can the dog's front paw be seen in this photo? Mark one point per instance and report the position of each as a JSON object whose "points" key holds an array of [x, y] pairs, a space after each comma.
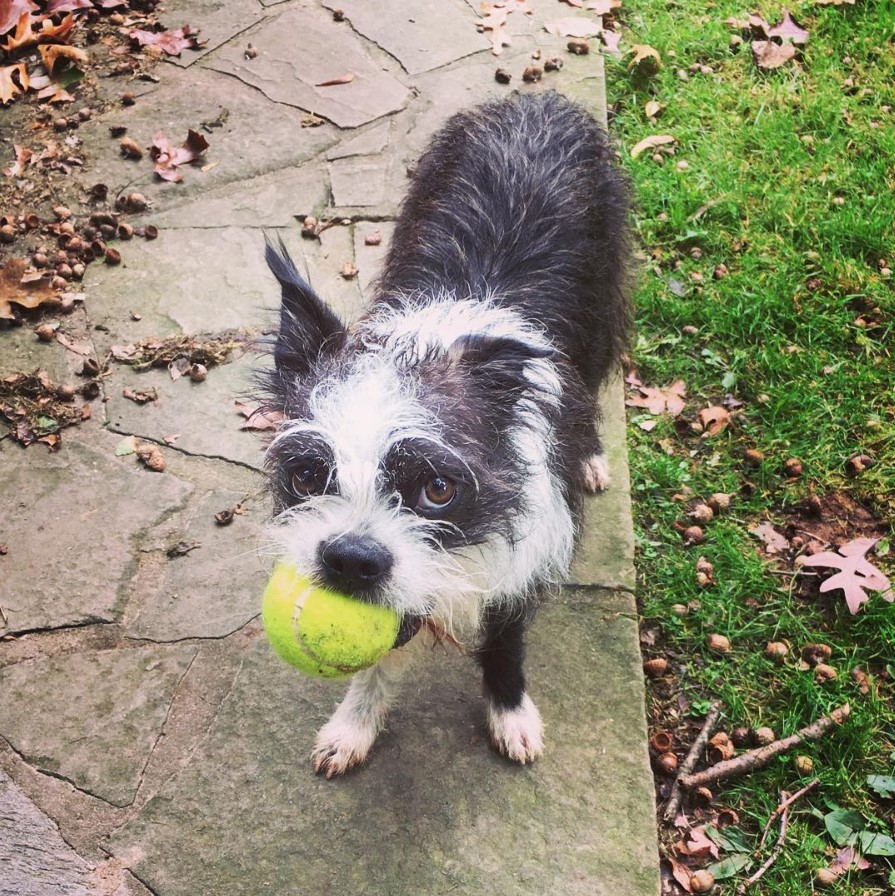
{"points": [[596, 473], [341, 745], [517, 733]]}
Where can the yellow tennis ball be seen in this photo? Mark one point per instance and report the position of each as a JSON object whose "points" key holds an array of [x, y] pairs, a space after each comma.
{"points": [[321, 632]]}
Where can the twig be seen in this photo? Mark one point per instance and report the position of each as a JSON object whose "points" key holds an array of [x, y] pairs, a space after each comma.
{"points": [[674, 800], [784, 806], [778, 848], [761, 756]]}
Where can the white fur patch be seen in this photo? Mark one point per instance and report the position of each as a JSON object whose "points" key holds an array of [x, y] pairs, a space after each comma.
{"points": [[517, 733], [596, 473]]}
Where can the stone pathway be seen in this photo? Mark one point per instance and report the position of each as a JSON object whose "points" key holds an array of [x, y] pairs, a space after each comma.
{"points": [[149, 740]]}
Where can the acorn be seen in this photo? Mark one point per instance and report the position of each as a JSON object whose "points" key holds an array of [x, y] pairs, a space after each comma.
{"points": [[112, 256], [152, 457], [553, 64], [792, 468], [61, 212], [45, 332], [40, 260], [78, 270], [804, 764], [125, 231], [656, 667], [719, 502], [701, 881], [309, 227], [702, 513], [198, 373], [776, 651], [741, 736], [150, 232], [720, 747], [502, 76], [753, 457], [702, 796], [813, 654], [693, 535], [130, 149], [764, 736], [718, 643], [662, 742], [7, 233], [66, 392], [824, 672], [680, 610], [667, 762], [532, 74], [578, 46]]}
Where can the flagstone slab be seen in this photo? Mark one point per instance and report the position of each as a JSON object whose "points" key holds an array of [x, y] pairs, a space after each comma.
{"points": [[191, 280], [360, 182], [421, 35], [218, 21], [92, 718], [201, 419], [215, 588], [435, 810], [370, 258], [248, 136], [370, 141], [299, 50], [71, 522], [34, 858]]}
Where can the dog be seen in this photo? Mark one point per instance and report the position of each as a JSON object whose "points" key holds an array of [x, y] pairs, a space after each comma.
{"points": [[433, 456]]}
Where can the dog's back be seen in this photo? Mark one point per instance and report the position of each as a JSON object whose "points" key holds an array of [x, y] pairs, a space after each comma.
{"points": [[519, 201]]}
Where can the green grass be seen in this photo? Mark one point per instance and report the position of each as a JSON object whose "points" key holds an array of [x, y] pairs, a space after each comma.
{"points": [[789, 183]]}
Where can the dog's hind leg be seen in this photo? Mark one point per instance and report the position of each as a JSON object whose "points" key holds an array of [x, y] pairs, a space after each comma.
{"points": [[346, 739], [596, 472], [514, 722]]}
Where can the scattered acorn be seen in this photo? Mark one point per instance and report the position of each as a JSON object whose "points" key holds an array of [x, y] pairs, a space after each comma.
{"points": [[130, 149], [152, 457], [813, 654], [764, 736], [718, 643], [7, 233], [826, 877], [198, 373], [824, 672], [667, 762], [45, 332], [776, 651], [702, 513], [753, 457], [702, 796], [532, 74], [720, 747], [661, 742], [741, 736], [702, 881], [856, 465], [309, 227], [719, 502], [792, 467], [66, 392], [804, 764], [553, 64], [373, 239], [680, 610], [693, 535], [112, 256], [502, 76], [578, 46], [656, 667]]}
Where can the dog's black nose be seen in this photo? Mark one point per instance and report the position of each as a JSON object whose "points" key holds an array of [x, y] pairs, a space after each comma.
{"points": [[354, 563]]}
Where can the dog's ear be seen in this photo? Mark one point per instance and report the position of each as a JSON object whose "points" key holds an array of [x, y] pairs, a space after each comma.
{"points": [[307, 326], [497, 362]]}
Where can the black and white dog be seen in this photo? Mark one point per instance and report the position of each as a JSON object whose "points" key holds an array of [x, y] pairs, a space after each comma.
{"points": [[433, 456]]}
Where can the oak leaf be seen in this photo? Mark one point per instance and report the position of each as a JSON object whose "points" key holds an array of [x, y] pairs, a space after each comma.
{"points": [[774, 542], [171, 42], [8, 87], [769, 55], [168, 158], [855, 574], [666, 400], [19, 289], [651, 142]]}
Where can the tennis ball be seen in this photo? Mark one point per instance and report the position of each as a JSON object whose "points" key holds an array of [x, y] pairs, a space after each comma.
{"points": [[321, 632]]}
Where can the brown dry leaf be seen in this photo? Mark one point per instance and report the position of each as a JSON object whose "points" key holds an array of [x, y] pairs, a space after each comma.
{"points": [[168, 158], [13, 10], [668, 400], [493, 20], [52, 53], [55, 6], [848, 858], [333, 82], [696, 843], [855, 574], [259, 419], [769, 55], [574, 26], [23, 156], [774, 542], [714, 420], [142, 396], [171, 42], [789, 29], [8, 86], [681, 873], [651, 143], [24, 35], [610, 41], [16, 289], [646, 58]]}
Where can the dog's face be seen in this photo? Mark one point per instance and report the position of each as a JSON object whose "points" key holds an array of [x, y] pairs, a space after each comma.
{"points": [[412, 460]]}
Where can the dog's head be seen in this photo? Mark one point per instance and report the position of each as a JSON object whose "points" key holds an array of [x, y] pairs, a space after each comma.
{"points": [[414, 465]]}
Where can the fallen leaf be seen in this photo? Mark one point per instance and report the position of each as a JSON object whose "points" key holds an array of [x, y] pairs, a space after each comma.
{"points": [[13, 10], [856, 572], [16, 288], [332, 82], [55, 6], [714, 420], [610, 41], [23, 156], [773, 541], [574, 26], [168, 158], [769, 55], [651, 143], [697, 844], [259, 419], [789, 29], [128, 445], [8, 87], [848, 858], [646, 58], [171, 42], [493, 20], [143, 396], [668, 400], [52, 53], [681, 873]]}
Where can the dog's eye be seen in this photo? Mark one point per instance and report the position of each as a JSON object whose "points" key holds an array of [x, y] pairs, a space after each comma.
{"points": [[309, 479], [437, 493]]}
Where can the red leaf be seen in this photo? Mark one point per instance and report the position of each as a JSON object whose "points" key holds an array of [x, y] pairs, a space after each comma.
{"points": [[332, 82]]}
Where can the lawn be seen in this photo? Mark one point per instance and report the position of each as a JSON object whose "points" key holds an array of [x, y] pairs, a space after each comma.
{"points": [[766, 242]]}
